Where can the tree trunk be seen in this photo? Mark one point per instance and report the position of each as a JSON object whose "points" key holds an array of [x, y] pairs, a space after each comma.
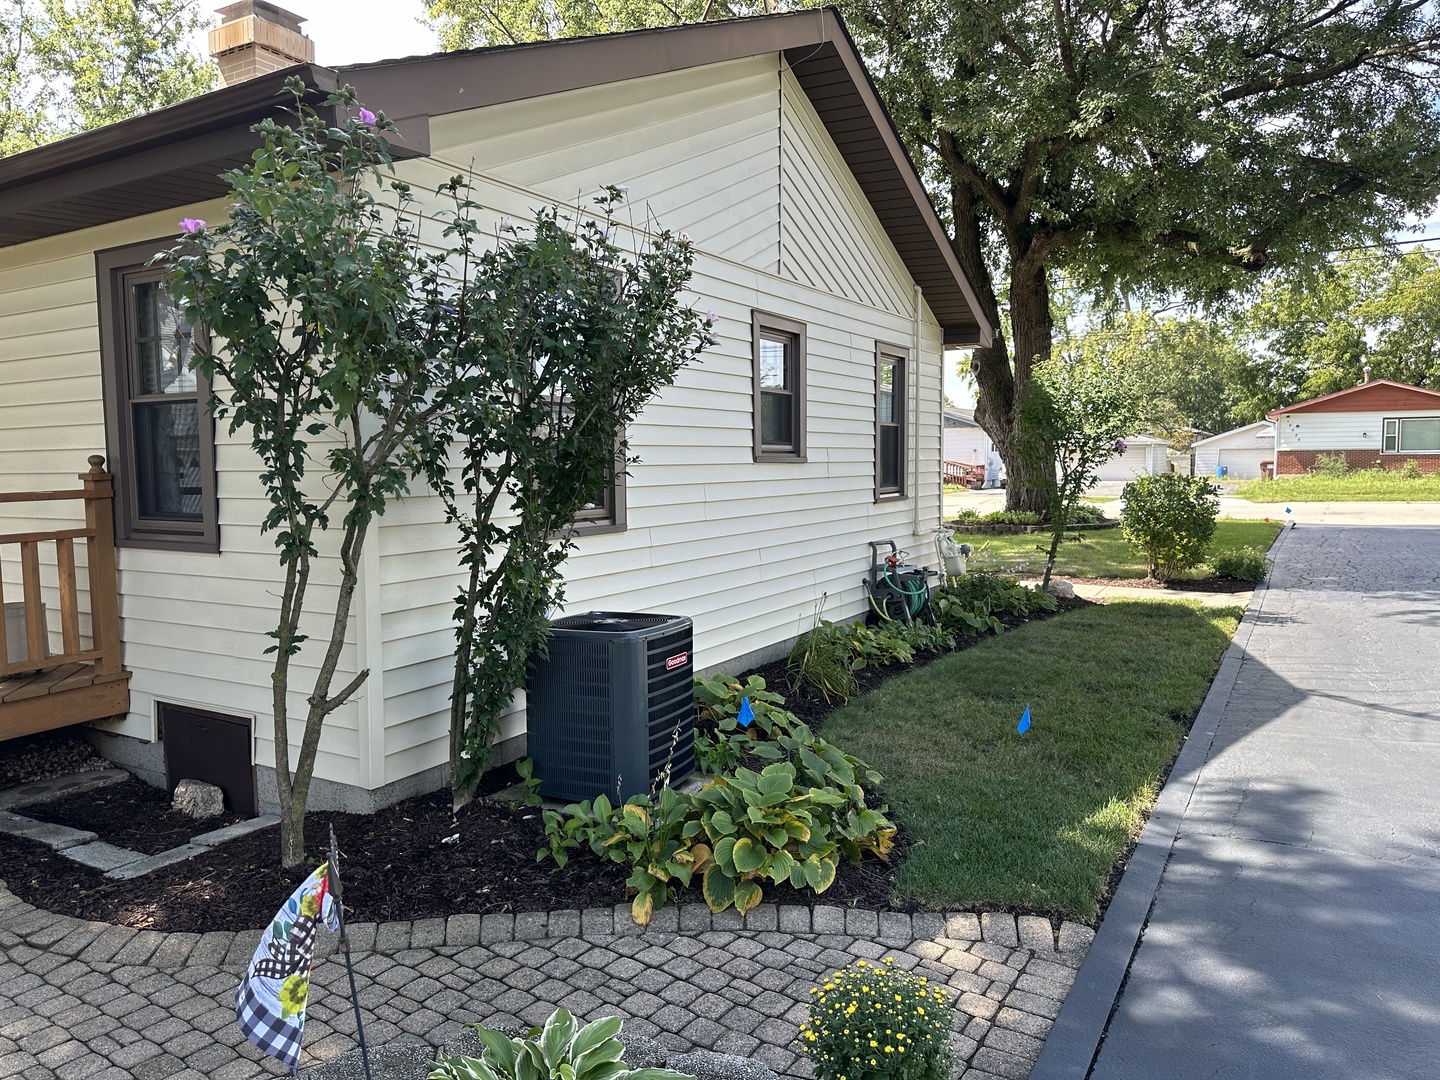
{"points": [[1000, 384]]}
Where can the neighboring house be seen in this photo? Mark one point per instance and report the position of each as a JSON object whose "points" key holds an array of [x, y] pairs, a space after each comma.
{"points": [[1144, 455], [762, 138], [965, 441], [1240, 452], [1376, 424]]}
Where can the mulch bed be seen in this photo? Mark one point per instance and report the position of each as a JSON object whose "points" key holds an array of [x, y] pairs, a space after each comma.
{"points": [[413, 860], [1204, 584], [130, 814]]}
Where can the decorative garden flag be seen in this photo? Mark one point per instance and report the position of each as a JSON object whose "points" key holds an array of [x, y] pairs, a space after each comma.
{"points": [[1024, 724], [270, 1004], [747, 714]]}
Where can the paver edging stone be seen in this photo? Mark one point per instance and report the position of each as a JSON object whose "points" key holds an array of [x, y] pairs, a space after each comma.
{"points": [[1074, 1039]]}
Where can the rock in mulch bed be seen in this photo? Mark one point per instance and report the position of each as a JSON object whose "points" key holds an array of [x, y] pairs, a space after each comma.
{"points": [[45, 756], [130, 814]]}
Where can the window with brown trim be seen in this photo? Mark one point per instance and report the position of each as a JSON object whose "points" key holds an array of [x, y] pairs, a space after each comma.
{"points": [[890, 420], [606, 512], [779, 421], [159, 434]]}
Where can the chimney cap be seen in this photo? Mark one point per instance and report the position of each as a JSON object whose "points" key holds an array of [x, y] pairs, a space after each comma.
{"points": [[260, 8]]}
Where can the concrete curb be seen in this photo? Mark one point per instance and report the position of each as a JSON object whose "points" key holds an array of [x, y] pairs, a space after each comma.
{"points": [[1071, 1047]]}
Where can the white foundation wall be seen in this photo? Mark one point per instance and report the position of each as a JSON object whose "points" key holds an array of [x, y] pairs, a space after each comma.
{"points": [[192, 625], [734, 156]]}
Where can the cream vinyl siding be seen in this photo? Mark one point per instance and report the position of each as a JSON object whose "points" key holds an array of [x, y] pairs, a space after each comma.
{"points": [[1331, 430], [193, 626], [743, 548]]}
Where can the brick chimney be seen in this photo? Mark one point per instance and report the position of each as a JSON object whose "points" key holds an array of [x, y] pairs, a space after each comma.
{"points": [[255, 37]]}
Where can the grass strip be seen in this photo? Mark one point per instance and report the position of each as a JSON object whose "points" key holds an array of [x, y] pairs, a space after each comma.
{"points": [[1036, 821], [1103, 553], [1362, 485]]}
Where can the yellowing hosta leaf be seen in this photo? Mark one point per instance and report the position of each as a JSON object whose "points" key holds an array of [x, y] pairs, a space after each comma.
{"points": [[719, 889], [748, 855], [747, 895], [642, 908]]}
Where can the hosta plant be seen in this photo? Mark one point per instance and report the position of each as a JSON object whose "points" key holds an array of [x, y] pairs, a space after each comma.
{"points": [[561, 1050]]}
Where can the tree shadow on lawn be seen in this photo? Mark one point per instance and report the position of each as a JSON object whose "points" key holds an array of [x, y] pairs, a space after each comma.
{"points": [[1036, 821]]}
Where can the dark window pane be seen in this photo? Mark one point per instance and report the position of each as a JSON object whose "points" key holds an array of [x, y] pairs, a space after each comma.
{"points": [[890, 457], [1420, 436], [774, 365], [777, 426], [162, 342], [167, 460]]}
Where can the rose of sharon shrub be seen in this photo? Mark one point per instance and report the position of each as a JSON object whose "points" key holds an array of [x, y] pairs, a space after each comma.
{"points": [[1171, 518]]}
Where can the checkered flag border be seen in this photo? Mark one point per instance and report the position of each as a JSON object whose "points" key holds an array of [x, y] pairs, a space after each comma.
{"points": [[276, 1037]]}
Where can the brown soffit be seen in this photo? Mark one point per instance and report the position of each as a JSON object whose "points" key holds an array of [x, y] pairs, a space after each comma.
{"points": [[173, 156]]}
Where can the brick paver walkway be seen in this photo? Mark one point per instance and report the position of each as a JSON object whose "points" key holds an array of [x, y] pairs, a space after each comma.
{"points": [[99, 1002]]}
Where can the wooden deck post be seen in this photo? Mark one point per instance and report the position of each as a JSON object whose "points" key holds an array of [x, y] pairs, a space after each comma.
{"points": [[104, 591]]}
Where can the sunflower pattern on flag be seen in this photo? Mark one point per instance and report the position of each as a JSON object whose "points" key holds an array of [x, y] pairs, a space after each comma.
{"points": [[270, 1004]]}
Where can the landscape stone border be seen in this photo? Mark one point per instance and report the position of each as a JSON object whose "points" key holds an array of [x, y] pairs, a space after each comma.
{"points": [[100, 1002], [1001, 528], [1074, 1040]]}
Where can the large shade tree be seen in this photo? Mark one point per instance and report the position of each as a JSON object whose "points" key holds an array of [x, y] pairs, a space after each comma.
{"points": [[1149, 144], [71, 65]]}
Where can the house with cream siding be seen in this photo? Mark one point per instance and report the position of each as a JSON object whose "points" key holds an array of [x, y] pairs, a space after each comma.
{"points": [[1240, 452], [1378, 424], [761, 138]]}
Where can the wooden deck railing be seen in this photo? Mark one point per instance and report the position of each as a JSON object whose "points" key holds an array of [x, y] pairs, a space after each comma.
{"points": [[99, 535]]}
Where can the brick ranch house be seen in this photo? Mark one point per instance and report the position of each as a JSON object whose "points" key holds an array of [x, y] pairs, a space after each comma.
{"points": [[1380, 424]]}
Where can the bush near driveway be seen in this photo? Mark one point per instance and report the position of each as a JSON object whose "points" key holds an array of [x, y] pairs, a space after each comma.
{"points": [[1036, 821]]}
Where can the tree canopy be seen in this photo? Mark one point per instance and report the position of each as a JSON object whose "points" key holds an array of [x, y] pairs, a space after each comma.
{"points": [[70, 66], [1140, 143]]}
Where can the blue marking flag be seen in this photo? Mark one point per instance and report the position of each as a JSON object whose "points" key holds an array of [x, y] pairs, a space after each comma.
{"points": [[1024, 724], [270, 1004], [747, 714], [1287, 509]]}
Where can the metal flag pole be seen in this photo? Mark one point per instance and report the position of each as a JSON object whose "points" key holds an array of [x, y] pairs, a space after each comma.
{"points": [[332, 872]]}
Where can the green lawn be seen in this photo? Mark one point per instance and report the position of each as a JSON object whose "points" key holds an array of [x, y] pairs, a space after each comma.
{"points": [[1363, 485], [1036, 820], [1102, 553]]}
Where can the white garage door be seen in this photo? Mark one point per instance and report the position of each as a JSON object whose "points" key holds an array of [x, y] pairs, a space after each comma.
{"points": [[1244, 464], [1127, 466]]}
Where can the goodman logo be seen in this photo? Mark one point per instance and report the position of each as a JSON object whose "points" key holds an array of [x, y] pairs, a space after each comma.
{"points": [[678, 660]]}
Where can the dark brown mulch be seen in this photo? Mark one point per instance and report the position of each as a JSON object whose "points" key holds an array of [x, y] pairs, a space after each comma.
{"points": [[130, 814], [1204, 584], [398, 864]]}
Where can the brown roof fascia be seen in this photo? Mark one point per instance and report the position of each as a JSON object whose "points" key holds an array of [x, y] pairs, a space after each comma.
{"points": [[1302, 406]]}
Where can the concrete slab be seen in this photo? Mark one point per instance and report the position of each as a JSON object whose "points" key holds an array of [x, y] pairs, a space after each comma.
{"points": [[234, 832], [58, 837], [102, 856], [147, 863], [39, 791]]}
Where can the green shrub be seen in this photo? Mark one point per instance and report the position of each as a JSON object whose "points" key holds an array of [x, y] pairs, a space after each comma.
{"points": [[1171, 518], [1086, 514], [1333, 466], [1243, 564], [1411, 470], [1012, 517], [870, 1021], [969, 516], [561, 1050]]}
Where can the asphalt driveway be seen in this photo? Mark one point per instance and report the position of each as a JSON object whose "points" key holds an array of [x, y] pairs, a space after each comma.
{"points": [[1294, 931]]}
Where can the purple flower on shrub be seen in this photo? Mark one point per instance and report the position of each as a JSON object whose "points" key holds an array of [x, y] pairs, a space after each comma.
{"points": [[367, 117], [1119, 446], [712, 318], [192, 225]]}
